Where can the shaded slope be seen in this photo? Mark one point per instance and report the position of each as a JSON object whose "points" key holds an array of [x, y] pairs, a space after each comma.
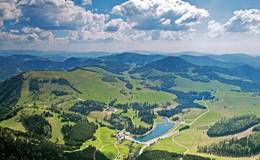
{"points": [[129, 58], [18, 145], [10, 92], [185, 69]]}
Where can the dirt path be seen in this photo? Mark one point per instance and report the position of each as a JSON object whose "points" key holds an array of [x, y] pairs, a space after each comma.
{"points": [[118, 152], [94, 155], [181, 145], [197, 118], [142, 149], [190, 124]]}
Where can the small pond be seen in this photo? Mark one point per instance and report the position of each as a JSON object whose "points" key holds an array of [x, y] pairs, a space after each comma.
{"points": [[159, 130]]}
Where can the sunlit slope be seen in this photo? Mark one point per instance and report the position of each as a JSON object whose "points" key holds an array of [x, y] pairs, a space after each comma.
{"points": [[86, 84], [44, 90]]}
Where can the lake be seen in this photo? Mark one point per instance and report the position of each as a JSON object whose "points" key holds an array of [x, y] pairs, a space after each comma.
{"points": [[159, 130]]}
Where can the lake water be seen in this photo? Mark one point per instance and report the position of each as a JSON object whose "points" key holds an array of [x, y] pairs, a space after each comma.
{"points": [[159, 130]]}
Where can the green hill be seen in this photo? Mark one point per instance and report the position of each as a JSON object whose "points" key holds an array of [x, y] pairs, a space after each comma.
{"points": [[87, 106]]}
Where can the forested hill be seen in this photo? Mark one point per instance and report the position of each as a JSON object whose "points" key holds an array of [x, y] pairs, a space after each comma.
{"points": [[180, 67], [90, 105], [25, 146]]}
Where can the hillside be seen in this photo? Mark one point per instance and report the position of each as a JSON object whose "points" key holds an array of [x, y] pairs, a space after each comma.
{"points": [[16, 64], [99, 99]]}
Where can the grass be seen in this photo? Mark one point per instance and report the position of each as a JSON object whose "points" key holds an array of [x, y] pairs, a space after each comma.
{"points": [[147, 95], [106, 144], [99, 116], [167, 145], [187, 85], [191, 114], [92, 86], [226, 76], [134, 116], [230, 103], [13, 123], [56, 125], [90, 83]]}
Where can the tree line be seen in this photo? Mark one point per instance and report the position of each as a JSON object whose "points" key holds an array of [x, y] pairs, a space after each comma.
{"points": [[246, 146], [232, 125]]}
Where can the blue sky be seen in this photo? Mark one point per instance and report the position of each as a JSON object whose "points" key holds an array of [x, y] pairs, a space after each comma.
{"points": [[215, 26]]}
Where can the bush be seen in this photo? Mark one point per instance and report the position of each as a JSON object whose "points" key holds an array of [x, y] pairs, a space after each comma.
{"points": [[79, 133], [84, 107], [38, 125]]}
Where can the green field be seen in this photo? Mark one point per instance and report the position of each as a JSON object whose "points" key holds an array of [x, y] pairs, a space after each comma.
{"points": [[90, 83], [107, 144]]}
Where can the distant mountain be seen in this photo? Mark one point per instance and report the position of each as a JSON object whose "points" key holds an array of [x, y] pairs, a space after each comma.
{"points": [[54, 55], [15, 64], [52, 107], [168, 64], [238, 59], [209, 61], [180, 67], [247, 71], [203, 66], [128, 58]]}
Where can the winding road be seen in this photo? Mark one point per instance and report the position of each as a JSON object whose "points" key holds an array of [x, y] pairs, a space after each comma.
{"points": [[190, 124]]}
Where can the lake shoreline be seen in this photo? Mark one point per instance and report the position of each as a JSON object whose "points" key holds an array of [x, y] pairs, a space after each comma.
{"points": [[155, 137]]}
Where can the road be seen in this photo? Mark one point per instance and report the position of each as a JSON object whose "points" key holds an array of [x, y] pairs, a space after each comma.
{"points": [[190, 124], [118, 152], [181, 145], [195, 120]]}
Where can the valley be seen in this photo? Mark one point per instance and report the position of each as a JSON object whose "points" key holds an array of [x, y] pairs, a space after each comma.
{"points": [[129, 106]]}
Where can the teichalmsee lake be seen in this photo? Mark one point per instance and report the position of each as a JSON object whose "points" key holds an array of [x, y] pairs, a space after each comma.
{"points": [[159, 130]]}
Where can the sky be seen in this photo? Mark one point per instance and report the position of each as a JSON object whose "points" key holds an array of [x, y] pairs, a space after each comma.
{"points": [[213, 26]]}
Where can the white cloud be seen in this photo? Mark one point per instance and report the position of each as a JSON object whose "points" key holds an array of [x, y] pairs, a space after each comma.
{"points": [[170, 35], [8, 11], [160, 14], [1, 23], [86, 2], [141, 20], [215, 29], [243, 21], [121, 33], [27, 34], [60, 14], [116, 25]]}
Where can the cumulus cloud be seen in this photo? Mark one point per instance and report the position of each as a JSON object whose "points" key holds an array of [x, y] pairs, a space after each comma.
{"points": [[215, 29], [86, 2], [8, 11], [41, 20], [160, 14], [59, 14], [116, 25], [27, 34], [170, 35], [115, 29], [243, 21], [126, 35]]}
